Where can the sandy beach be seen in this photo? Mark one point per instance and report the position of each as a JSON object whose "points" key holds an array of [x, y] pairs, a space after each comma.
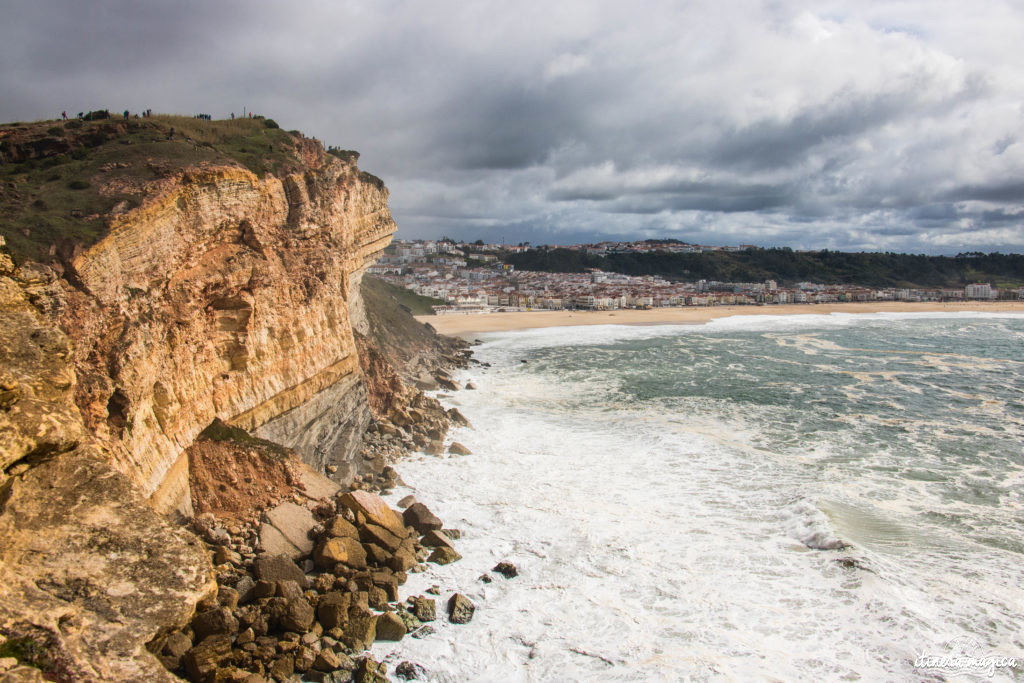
{"points": [[466, 325]]}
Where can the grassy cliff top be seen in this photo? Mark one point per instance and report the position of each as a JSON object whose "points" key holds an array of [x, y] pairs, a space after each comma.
{"points": [[61, 181]]}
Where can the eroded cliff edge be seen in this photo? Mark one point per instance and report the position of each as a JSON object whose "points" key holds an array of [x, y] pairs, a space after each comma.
{"points": [[223, 294]]}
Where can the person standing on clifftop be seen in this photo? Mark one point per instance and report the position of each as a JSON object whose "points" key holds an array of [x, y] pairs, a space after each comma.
{"points": [[170, 136], [64, 115]]}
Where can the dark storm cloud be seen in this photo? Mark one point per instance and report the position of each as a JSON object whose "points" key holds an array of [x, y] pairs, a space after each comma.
{"points": [[868, 125]]}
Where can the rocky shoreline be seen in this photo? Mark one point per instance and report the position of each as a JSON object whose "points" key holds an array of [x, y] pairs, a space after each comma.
{"points": [[306, 585]]}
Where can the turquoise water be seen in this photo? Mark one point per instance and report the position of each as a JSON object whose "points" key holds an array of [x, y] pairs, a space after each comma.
{"points": [[757, 498]]}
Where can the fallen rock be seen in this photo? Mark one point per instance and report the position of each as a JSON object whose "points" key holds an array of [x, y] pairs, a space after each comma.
{"points": [[436, 539], [215, 621], [460, 609], [470, 386], [298, 616], [294, 522], [205, 657], [343, 550], [458, 449], [409, 671], [276, 568], [425, 609], [420, 518], [369, 670], [385, 538], [458, 418], [374, 510], [506, 569], [360, 630], [341, 527], [407, 501], [332, 609], [444, 555], [390, 627]]}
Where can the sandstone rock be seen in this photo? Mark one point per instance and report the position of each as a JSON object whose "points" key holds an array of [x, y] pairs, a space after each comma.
{"points": [[420, 518], [282, 668], [371, 533], [425, 609], [369, 670], [403, 560], [374, 510], [485, 578], [506, 569], [444, 555], [332, 609], [298, 616], [326, 661], [458, 449], [279, 568], [273, 542], [470, 386], [406, 502], [294, 522], [460, 609], [264, 589], [215, 621], [458, 418], [342, 550], [223, 555], [207, 656], [376, 555], [227, 597], [304, 659], [436, 539], [409, 671], [424, 632], [390, 627], [360, 630], [435, 447], [378, 598], [245, 587], [289, 590], [341, 527]]}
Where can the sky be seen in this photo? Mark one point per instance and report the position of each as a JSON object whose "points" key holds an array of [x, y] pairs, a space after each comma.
{"points": [[852, 125]]}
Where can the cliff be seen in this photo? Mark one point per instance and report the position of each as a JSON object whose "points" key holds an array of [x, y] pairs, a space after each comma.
{"points": [[220, 289]]}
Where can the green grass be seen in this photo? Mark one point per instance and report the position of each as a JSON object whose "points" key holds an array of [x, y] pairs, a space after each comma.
{"points": [[415, 303], [85, 169]]}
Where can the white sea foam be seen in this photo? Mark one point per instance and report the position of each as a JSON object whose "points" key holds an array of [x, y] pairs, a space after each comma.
{"points": [[666, 535]]}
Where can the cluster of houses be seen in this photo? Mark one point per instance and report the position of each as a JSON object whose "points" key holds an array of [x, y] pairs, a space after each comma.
{"points": [[470, 277]]}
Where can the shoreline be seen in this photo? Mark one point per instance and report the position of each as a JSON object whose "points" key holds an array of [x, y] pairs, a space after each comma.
{"points": [[464, 326]]}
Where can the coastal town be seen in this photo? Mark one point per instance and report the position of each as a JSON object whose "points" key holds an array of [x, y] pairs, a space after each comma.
{"points": [[472, 277]]}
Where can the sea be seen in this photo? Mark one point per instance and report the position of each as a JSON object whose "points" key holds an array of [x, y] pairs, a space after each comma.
{"points": [[758, 498]]}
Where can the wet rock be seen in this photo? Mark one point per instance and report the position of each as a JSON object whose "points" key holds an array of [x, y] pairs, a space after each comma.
{"points": [[458, 449], [458, 418], [420, 518], [279, 568], [424, 632], [436, 539], [406, 502], [409, 671], [385, 538], [506, 569], [369, 670], [485, 578], [460, 609], [470, 386], [425, 609], [390, 627]]}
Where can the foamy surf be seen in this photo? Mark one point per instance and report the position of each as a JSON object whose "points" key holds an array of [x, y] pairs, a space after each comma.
{"points": [[696, 502]]}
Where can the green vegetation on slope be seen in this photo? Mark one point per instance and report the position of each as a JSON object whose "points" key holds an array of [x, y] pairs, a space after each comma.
{"points": [[414, 303], [61, 181], [868, 269]]}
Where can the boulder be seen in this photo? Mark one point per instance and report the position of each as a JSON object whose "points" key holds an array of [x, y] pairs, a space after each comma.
{"points": [[390, 627], [294, 522], [458, 418], [371, 533], [205, 657], [326, 661], [289, 590], [506, 569], [374, 510], [341, 527], [408, 671], [406, 502], [375, 554], [436, 539], [214, 621], [458, 449], [404, 559], [360, 630], [435, 447], [343, 550], [276, 568], [460, 609], [444, 555], [332, 609], [425, 609], [420, 518], [369, 670], [298, 616], [273, 542], [282, 668]]}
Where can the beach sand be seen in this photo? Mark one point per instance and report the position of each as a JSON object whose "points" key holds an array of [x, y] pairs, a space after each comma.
{"points": [[466, 325]]}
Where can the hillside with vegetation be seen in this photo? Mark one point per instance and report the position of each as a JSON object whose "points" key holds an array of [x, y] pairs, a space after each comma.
{"points": [[63, 181], [870, 269]]}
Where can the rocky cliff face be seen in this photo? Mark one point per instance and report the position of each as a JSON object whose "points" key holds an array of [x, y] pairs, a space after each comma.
{"points": [[222, 295], [226, 295]]}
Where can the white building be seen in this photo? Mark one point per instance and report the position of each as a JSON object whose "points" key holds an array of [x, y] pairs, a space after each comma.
{"points": [[979, 290]]}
